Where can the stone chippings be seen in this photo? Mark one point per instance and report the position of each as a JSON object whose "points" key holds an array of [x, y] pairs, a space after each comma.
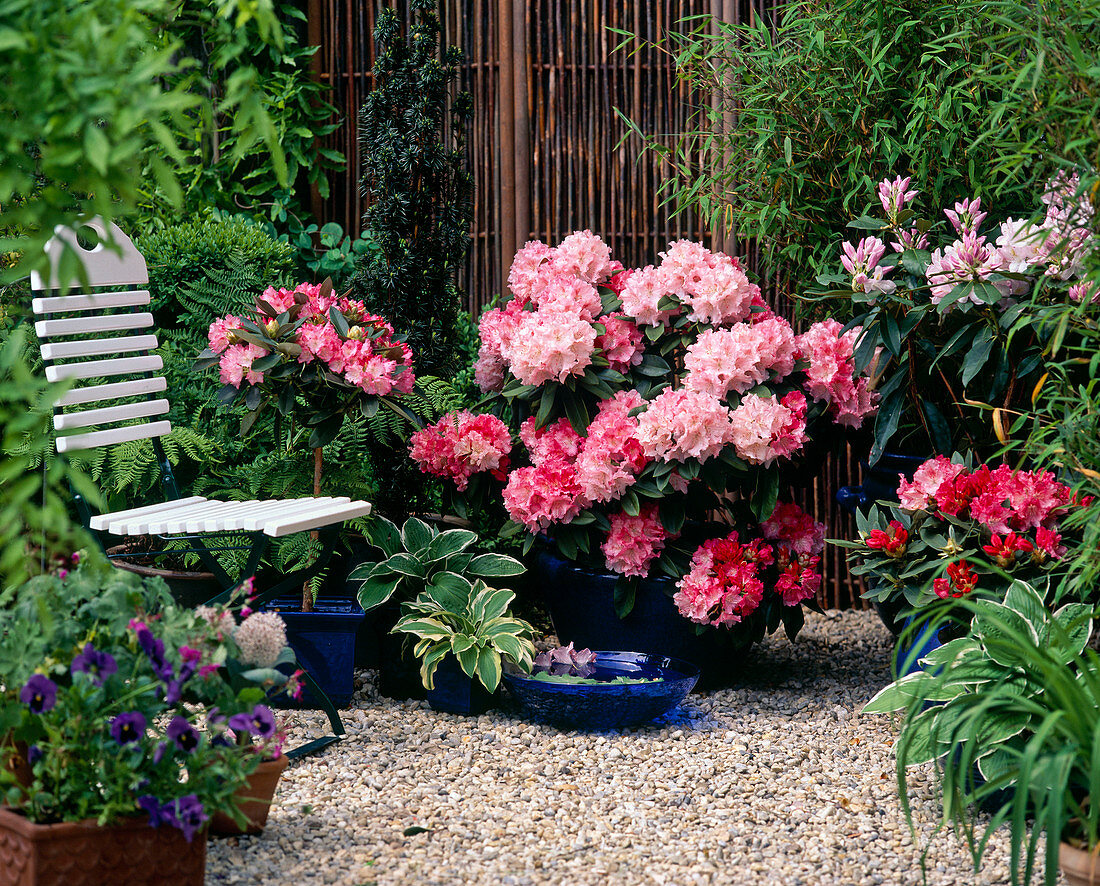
{"points": [[776, 780]]}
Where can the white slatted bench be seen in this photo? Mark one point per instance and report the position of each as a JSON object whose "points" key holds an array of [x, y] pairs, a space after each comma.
{"points": [[102, 342]]}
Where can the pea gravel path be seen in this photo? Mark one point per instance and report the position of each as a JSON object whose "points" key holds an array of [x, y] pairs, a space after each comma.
{"points": [[777, 780]]}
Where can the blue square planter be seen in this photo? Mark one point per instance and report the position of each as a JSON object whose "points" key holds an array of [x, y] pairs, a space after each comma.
{"points": [[324, 642], [455, 693]]}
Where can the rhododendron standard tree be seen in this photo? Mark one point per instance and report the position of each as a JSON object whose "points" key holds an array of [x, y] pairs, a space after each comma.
{"points": [[316, 357], [646, 403]]}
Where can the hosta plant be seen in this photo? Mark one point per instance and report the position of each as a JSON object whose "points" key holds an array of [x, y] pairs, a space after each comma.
{"points": [[478, 631], [419, 557], [1012, 714]]}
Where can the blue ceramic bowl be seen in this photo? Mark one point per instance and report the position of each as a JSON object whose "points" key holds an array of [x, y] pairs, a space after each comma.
{"points": [[608, 705]]}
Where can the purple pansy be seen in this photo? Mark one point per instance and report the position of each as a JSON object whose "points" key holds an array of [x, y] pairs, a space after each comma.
{"points": [[97, 665], [153, 647], [183, 734], [261, 722], [174, 689], [185, 813], [39, 694], [128, 727], [158, 754], [34, 754]]}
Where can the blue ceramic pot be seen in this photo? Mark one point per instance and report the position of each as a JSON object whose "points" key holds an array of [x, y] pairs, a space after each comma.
{"points": [[607, 705], [880, 481], [914, 643], [324, 642], [455, 693], [582, 607]]}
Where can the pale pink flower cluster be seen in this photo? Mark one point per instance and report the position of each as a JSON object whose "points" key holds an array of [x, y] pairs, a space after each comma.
{"points": [[634, 542], [370, 358], [462, 444], [862, 262], [547, 345], [556, 442], [568, 295], [711, 284], [970, 259], [543, 494], [966, 217], [642, 293], [584, 255], [1080, 291], [530, 269], [683, 423], [740, 357], [765, 428], [830, 374], [611, 456], [723, 585], [1067, 226], [621, 342]]}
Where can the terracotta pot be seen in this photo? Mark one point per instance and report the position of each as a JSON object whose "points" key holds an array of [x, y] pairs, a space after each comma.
{"points": [[83, 854], [254, 799], [1081, 868]]}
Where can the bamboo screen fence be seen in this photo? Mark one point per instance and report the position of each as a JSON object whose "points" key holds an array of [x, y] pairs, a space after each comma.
{"points": [[547, 149]]}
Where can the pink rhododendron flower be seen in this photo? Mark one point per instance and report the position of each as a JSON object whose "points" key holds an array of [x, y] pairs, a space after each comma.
{"points": [[236, 365], [799, 579], [618, 279], [584, 255], [568, 295], [1067, 227], [681, 424], [621, 343], [611, 456], [722, 586], [557, 442], [462, 444], [711, 284], [830, 375], [530, 269], [1080, 291], [489, 369], [861, 261], [221, 331], [1049, 542], [642, 292], [792, 528], [763, 428], [967, 217], [542, 495], [914, 238], [895, 195], [968, 260], [545, 345], [634, 542], [917, 494], [740, 357]]}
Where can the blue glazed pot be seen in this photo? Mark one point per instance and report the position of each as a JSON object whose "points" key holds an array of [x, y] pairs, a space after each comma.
{"points": [[607, 705], [915, 644], [582, 608], [880, 481], [324, 642], [455, 693]]}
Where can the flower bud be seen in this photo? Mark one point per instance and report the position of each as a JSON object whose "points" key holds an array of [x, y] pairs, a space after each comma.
{"points": [[356, 333], [271, 327]]}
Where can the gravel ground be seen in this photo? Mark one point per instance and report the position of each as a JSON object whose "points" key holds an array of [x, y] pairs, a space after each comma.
{"points": [[776, 780]]}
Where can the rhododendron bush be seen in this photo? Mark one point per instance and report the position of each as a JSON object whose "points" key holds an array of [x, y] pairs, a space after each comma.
{"points": [[960, 530], [645, 402], [313, 354], [964, 321]]}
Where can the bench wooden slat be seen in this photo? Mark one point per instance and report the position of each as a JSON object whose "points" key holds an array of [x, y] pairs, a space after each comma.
{"points": [[100, 521], [96, 346], [112, 391], [108, 414], [114, 435], [316, 519], [106, 323], [91, 301], [104, 368]]}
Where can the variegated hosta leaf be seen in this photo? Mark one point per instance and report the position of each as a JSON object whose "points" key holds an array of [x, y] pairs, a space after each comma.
{"points": [[488, 668], [462, 642], [467, 660], [490, 603], [450, 542], [423, 627], [899, 695], [431, 661], [416, 535]]}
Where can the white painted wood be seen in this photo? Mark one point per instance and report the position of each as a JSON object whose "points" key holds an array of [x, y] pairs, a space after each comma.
{"points": [[216, 523], [104, 368], [108, 414], [284, 509], [112, 391], [94, 347], [80, 325], [100, 521], [103, 265], [90, 301], [316, 519], [114, 435], [215, 511], [155, 521]]}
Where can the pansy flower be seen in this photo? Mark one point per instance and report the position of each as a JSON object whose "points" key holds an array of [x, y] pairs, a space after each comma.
{"points": [[97, 665], [39, 694]]}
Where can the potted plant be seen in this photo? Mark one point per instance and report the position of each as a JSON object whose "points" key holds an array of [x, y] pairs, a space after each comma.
{"points": [[646, 402], [958, 528], [315, 357], [130, 732], [957, 316], [419, 557], [464, 634], [582, 689], [1011, 714]]}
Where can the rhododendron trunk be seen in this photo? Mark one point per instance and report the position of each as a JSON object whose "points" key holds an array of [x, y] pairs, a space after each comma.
{"points": [[307, 594]]}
